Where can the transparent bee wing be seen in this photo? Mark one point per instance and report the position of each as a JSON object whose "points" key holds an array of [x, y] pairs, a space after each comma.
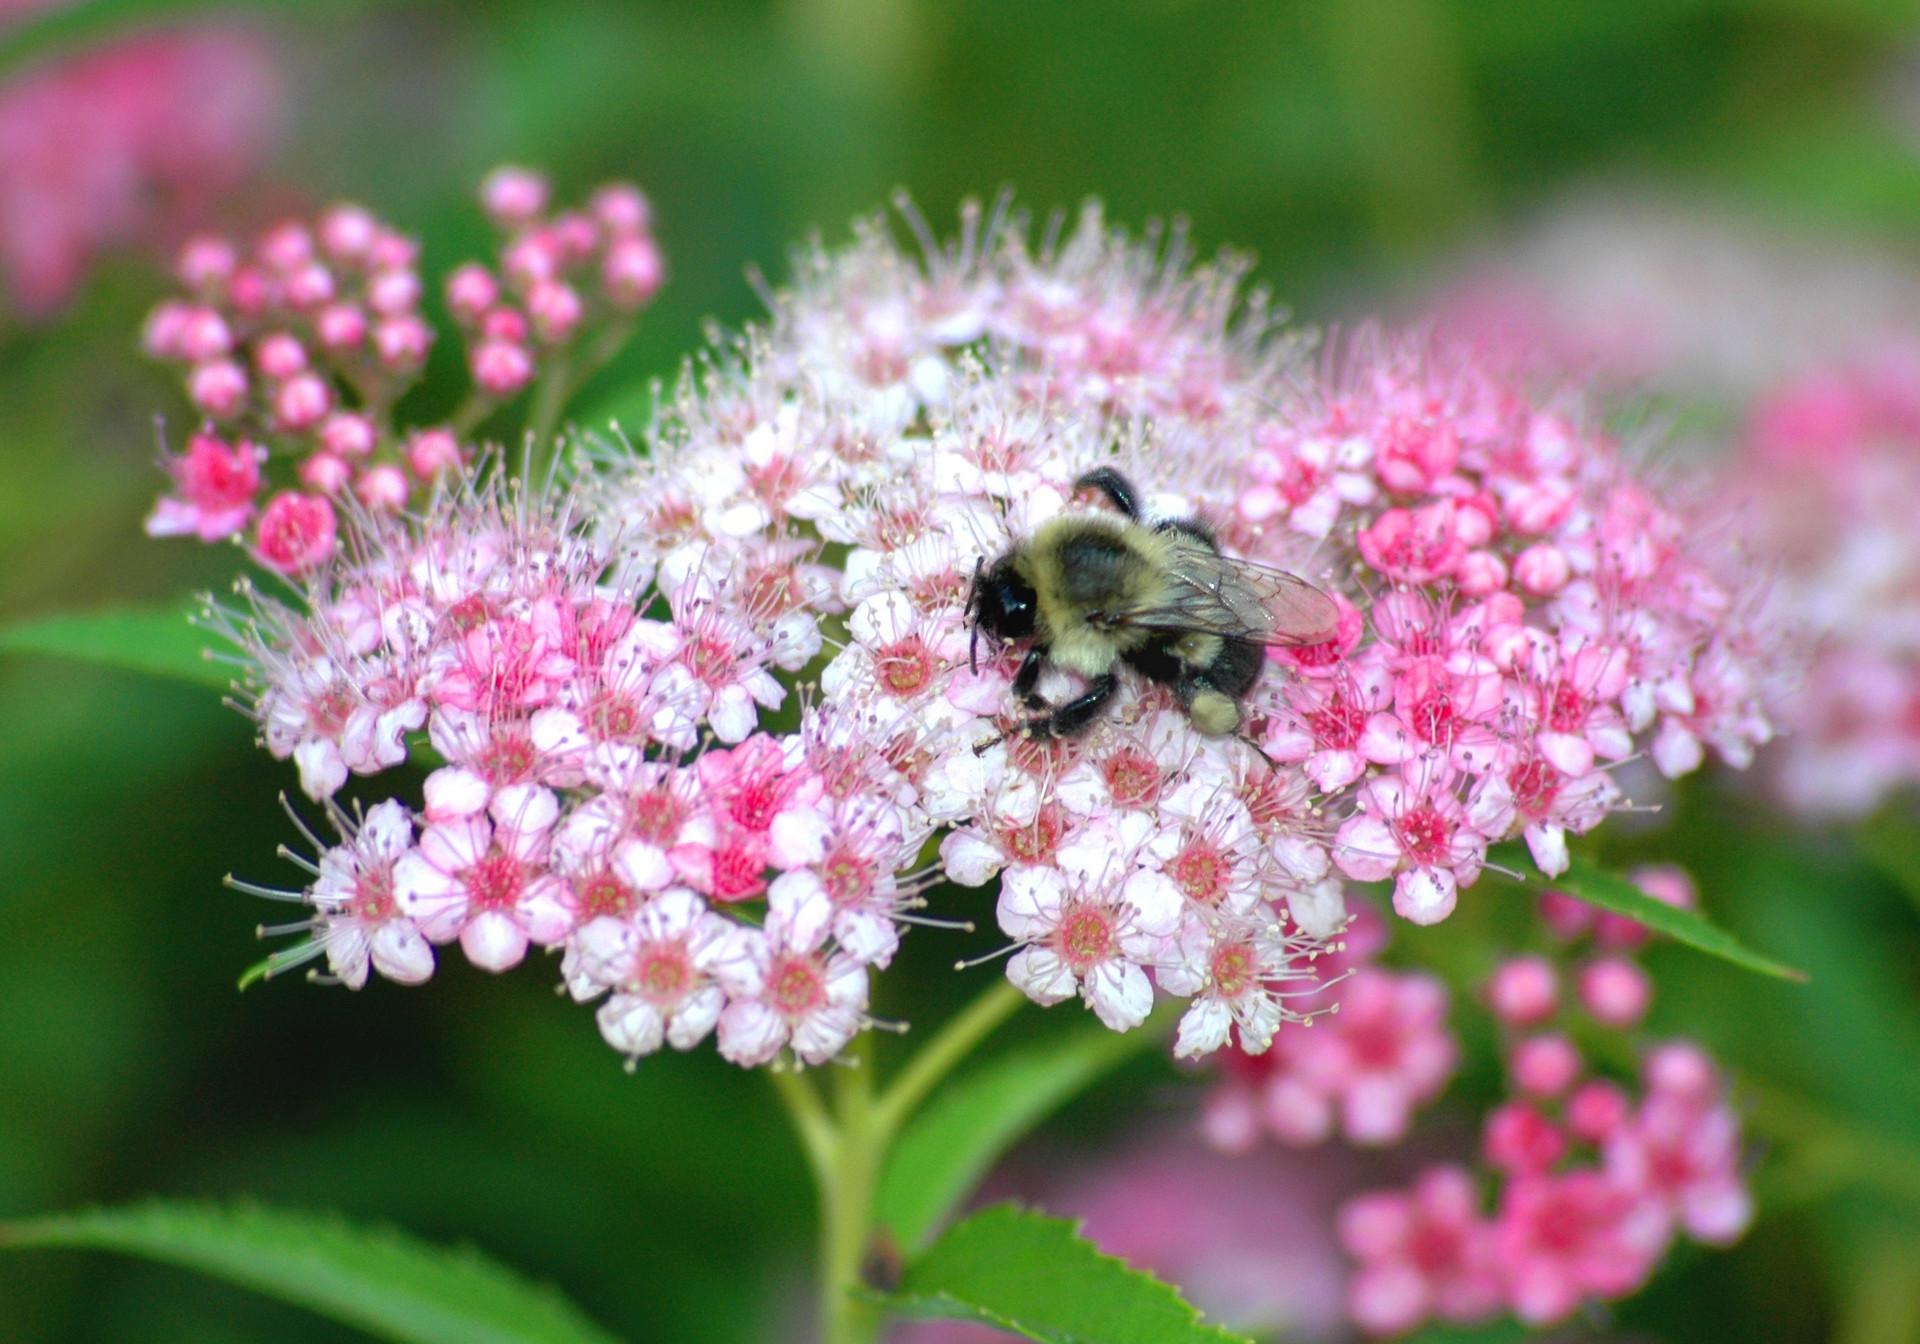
{"points": [[1219, 595]]}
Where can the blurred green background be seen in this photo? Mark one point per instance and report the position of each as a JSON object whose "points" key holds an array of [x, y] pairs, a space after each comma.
{"points": [[1355, 147]]}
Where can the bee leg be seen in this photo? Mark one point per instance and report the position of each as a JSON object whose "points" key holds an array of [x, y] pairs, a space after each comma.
{"points": [[1028, 675], [1211, 709], [1074, 716], [1117, 488]]}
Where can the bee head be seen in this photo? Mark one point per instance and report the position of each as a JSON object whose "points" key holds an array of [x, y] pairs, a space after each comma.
{"points": [[1001, 602]]}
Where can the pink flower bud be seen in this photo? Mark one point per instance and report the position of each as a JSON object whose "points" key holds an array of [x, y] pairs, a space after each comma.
{"points": [[218, 388], [1519, 1139], [1477, 520], [632, 272], [347, 232], [575, 236], [340, 327], [309, 287], [1615, 991], [432, 451], [393, 251], [501, 368], [531, 259], [622, 209], [285, 247], [163, 336], [471, 291], [204, 335], [250, 291], [347, 434], [1542, 569], [394, 292], [1544, 1065], [555, 310], [296, 532], [504, 324], [1481, 573], [1567, 916], [512, 196], [324, 472], [205, 262], [1533, 509], [382, 487], [301, 403], [1524, 991], [279, 356], [1681, 1069], [216, 477], [402, 342], [1596, 1110]]}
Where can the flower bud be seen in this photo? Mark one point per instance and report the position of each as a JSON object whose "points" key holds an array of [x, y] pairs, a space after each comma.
{"points": [[632, 272], [512, 196], [218, 388], [296, 533]]}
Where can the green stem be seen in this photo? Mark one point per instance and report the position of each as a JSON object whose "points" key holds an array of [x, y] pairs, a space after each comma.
{"points": [[847, 1149], [951, 1044], [549, 400]]}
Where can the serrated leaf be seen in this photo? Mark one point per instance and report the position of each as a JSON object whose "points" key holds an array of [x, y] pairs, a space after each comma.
{"points": [[952, 1142], [1613, 892], [372, 1278], [155, 640], [1035, 1276]]}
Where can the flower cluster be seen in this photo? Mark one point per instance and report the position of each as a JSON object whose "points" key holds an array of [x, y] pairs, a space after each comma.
{"points": [[122, 145], [301, 344], [1537, 614], [704, 709], [1592, 1181], [1832, 466]]}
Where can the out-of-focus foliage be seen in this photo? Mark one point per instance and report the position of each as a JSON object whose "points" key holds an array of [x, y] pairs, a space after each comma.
{"points": [[1353, 147]]}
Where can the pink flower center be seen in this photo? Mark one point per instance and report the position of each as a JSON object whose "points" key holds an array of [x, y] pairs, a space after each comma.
{"points": [[495, 882], [1434, 1248], [795, 986], [469, 613], [1133, 777], [1035, 842], [1568, 711], [772, 590], [328, 711], [603, 894], [756, 798], [714, 661], [617, 718], [776, 480], [372, 901], [904, 667], [1432, 718], [507, 758], [1085, 937], [1534, 784], [1425, 835], [1201, 871], [1337, 725], [739, 871], [655, 816], [661, 974], [847, 877], [1233, 969], [1373, 1042]]}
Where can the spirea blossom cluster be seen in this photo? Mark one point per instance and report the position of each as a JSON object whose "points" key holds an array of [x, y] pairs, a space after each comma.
{"points": [[122, 145], [1586, 1175], [713, 722], [1831, 465], [299, 345]]}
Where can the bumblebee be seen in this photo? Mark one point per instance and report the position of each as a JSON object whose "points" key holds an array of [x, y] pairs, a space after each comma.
{"points": [[1091, 592]]}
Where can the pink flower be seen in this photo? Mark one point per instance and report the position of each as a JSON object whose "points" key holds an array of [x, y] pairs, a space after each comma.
{"points": [[786, 991], [659, 963], [1385, 1052], [359, 921], [1564, 1238], [217, 485], [483, 879], [1418, 829], [296, 533], [1422, 1254]]}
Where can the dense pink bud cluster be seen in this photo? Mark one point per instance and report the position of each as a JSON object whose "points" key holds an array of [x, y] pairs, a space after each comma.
{"points": [[1535, 614], [300, 345], [1591, 1177], [1831, 464], [125, 144]]}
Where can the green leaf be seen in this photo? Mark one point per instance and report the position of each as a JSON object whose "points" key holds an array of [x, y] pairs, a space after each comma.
{"points": [[1613, 892], [1037, 1277], [951, 1143], [158, 641], [372, 1278]]}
